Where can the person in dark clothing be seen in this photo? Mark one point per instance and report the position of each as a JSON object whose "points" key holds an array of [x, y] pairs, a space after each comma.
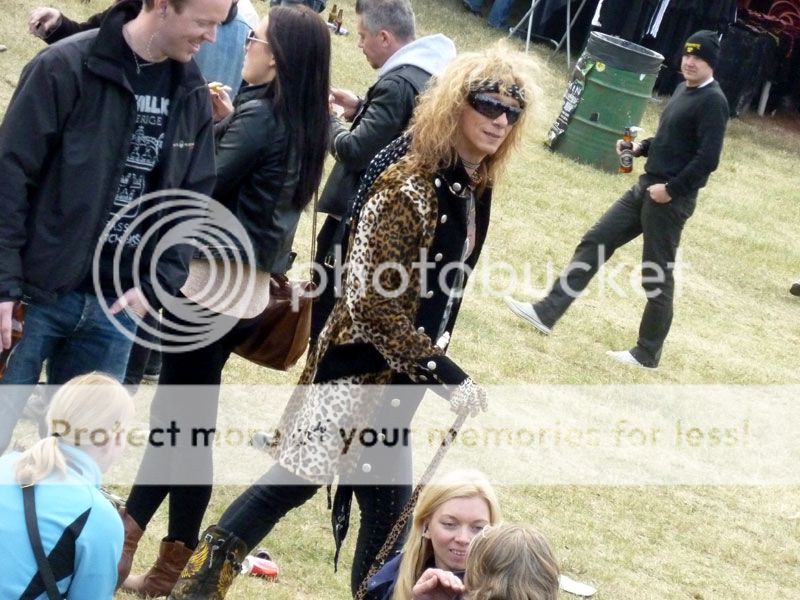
{"points": [[98, 121], [684, 152], [270, 148], [386, 33]]}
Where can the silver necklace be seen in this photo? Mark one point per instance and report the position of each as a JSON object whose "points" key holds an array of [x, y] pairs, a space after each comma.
{"points": [[471, 166], [139, 66]]}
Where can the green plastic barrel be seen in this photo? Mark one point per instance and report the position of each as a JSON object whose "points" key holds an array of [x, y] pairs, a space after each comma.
{"points": [[611, 84]]}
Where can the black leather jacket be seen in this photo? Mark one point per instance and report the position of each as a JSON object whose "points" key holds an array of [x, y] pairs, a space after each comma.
{"points": [[257, 174], [382, 117]]}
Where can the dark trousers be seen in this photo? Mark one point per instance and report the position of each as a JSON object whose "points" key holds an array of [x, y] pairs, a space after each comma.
{"points": [[331, 289], [187, 503], [632, 215], [253, 514], [381, 492], [141, 356]]}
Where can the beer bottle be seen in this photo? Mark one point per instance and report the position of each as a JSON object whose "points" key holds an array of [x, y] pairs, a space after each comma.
{"points": [[332, 14], [626, 156], [338, 21]]}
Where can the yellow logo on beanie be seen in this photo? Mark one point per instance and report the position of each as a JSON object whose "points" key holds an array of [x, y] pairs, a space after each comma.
{"points": [[691, 48]]}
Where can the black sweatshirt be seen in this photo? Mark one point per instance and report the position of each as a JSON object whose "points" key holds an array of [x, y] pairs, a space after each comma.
{"points": [[688, 142]]}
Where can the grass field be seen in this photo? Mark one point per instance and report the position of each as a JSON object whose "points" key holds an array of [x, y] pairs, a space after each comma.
{"points": [[735, 323]]}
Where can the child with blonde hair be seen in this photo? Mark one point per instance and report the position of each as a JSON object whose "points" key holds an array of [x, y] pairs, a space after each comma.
{"points": [[507, 562], [80, 531]]}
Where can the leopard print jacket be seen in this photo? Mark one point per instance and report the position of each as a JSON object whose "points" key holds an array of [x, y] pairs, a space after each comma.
{"points": [[380, 311]]}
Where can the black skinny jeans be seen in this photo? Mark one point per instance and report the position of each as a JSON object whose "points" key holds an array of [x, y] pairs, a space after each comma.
{"points": [[254, 513], [326, 300], [164, 464], [632, 215], [381, 494]]}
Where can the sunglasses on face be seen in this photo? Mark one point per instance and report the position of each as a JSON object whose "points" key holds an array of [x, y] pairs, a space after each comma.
{"points": [[251, 37], [492, 108]]}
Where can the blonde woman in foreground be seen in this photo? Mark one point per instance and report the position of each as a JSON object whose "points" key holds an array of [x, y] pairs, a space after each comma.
{"points": [[449, 513], [81, 532]]}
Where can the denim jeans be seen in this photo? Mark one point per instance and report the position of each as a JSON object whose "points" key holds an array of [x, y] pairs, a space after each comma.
{"points": [[498, 15], [75, 336], [317, 5]]}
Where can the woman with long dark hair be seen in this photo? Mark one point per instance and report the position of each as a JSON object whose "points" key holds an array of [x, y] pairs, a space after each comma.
{"points": [[271, 146]]}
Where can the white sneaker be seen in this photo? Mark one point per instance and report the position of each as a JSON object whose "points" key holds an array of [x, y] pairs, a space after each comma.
{"points": [[626, 358], [526, 311]]}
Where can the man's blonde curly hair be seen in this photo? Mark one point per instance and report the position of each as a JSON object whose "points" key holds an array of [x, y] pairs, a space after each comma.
{"points": [[434, 126]]}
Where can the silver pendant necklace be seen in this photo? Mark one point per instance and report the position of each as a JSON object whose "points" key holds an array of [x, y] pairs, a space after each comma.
{"points": [[139, 65]]}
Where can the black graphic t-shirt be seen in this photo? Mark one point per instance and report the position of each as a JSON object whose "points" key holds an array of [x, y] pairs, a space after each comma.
{"points": [[140, 175]]}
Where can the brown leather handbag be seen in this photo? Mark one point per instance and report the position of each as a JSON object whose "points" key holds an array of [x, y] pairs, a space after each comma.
{"points": [[281, 337]]}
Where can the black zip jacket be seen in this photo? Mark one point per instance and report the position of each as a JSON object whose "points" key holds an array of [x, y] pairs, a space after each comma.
{"points": [[63, 145]]}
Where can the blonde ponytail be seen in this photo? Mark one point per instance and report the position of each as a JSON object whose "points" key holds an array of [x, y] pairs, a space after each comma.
{"points": [[39, 461], [89, 409]]}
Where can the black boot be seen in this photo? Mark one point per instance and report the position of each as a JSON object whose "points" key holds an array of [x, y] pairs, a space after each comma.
{"points": [[212, 568]]}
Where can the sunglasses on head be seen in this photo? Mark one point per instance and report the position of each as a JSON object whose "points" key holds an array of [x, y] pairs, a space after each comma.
{"points": [[492, 108], [251, 37]]}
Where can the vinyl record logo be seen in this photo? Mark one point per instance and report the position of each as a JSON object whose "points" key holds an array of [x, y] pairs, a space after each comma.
{"points": [[147, 240]]}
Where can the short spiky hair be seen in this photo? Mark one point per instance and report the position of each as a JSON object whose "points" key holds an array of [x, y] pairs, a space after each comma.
{"points": [[434, 126], [395, 16], [178, 5]]}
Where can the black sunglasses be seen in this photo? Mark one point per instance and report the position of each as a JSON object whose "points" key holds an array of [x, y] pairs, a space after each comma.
{"points": [[491, 107], [251, 37]]}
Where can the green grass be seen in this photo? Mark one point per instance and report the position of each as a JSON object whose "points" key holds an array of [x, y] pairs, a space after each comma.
{"points": [[734, 324]]}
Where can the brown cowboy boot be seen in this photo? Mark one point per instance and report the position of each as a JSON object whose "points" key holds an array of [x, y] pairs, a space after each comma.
{"points": [[211, 569], [133, 534], [158, 581]]}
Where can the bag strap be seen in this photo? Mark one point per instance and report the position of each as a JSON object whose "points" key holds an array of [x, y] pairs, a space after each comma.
{"points": [[45, 571], [400, 524], [313, 237]]}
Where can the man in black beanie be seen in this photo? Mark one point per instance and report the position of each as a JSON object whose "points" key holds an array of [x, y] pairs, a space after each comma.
{"points": [[681, 156]]}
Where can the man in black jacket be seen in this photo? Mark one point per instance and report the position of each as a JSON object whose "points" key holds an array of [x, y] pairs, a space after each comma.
{"points": [[97, 121], [386, 36], [681, 156]]}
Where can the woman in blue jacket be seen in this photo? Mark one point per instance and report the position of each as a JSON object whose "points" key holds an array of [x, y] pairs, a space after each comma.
{"points": [[270, 148], [81, 532]]}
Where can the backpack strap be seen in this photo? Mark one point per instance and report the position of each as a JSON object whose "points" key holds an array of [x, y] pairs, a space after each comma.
{"points": [[45, 571]]}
